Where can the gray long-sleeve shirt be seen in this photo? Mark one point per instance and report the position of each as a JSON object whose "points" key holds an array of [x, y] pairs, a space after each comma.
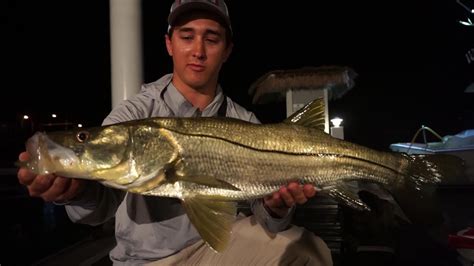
{"points": [[148, 228]]}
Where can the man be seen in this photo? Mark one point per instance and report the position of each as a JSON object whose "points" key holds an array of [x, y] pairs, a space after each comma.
{"points": [[199, 40]]}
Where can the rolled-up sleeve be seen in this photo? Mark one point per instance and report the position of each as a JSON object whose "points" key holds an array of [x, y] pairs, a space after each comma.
{"points": [[96, 205], [270, 223]]}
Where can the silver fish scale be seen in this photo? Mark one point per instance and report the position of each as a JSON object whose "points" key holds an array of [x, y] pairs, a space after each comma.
{"points": [[257, 173], [275, 137]]}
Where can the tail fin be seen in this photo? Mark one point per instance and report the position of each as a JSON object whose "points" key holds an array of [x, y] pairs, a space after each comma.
{"points": [[417, 193], [434, 168]]}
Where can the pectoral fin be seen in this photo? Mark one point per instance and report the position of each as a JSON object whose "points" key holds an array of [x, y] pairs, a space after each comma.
{"points": [[212, 219], [347, 196], [209, 181], [175, 171]]}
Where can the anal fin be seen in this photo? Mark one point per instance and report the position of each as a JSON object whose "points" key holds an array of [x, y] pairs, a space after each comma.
{"points": [[212, 218], [347, 196]]}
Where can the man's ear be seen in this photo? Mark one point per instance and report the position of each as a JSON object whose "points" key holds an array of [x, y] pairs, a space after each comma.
{"points": [[168, 45], [228, 51]]}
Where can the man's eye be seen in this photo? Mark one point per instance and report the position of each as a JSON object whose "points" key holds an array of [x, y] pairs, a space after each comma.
{"points": [[212, 40], [187, 37]]}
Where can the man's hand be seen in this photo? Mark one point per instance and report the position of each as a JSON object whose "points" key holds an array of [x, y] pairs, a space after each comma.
{"points": [[49, 187], [279, 202]]}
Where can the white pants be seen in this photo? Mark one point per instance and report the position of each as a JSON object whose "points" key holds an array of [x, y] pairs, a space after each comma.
{"points": [[250, 244]]}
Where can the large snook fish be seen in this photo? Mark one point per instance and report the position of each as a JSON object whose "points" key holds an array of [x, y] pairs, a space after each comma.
{"points": [[211, 163]]}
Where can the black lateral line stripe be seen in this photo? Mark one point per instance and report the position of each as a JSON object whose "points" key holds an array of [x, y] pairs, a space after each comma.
{"points": [[287, 153]]}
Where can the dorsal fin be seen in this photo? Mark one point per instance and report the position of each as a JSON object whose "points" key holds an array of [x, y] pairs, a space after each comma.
{"points": [[311, 115]]}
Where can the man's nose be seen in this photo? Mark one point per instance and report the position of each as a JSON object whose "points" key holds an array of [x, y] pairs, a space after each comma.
{"points": [[199, 50]]}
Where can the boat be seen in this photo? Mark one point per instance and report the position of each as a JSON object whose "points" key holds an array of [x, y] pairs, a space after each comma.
{"points": [[460, 144], [456, 198]]}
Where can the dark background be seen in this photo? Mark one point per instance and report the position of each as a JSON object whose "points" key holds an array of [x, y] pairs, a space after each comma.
{"points": [[410, 57], [55, 57]]}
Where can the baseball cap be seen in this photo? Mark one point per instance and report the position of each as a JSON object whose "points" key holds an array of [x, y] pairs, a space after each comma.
{"points": [[217, 7]]}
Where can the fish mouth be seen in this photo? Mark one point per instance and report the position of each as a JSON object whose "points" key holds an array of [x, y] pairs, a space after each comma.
{"points": [[48, 157]]}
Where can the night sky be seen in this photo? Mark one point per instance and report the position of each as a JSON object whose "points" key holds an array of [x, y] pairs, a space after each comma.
{"points": [[410, 58]]}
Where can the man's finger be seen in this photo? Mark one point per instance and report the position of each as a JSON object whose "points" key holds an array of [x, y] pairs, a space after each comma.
{"points": [[57, 189], [273, 201], [286, 196], [309, 191], [297, 193], [40, 184], [24, 156], [74, 189], [25, 177]]}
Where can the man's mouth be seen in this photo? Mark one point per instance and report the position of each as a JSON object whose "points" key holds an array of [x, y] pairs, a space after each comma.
{"points": [[196, 67]]}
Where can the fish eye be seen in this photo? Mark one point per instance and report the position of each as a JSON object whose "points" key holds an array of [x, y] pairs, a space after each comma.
{"points": [[82, 136]]}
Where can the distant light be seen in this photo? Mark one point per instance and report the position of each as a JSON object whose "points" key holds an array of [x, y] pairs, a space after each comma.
{"points": [[336, 122], [466, 23], [465, 6], [26, 117], [79, 125], [53, 115]]}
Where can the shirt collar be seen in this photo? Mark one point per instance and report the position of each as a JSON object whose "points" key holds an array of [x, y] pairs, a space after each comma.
{"points": [[183, 108]]}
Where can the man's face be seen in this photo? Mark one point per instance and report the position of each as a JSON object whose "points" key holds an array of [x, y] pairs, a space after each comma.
{"points": [[199, 49]]}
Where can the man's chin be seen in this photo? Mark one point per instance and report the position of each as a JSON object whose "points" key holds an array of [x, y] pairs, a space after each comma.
{"points": [[198, 83]]}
